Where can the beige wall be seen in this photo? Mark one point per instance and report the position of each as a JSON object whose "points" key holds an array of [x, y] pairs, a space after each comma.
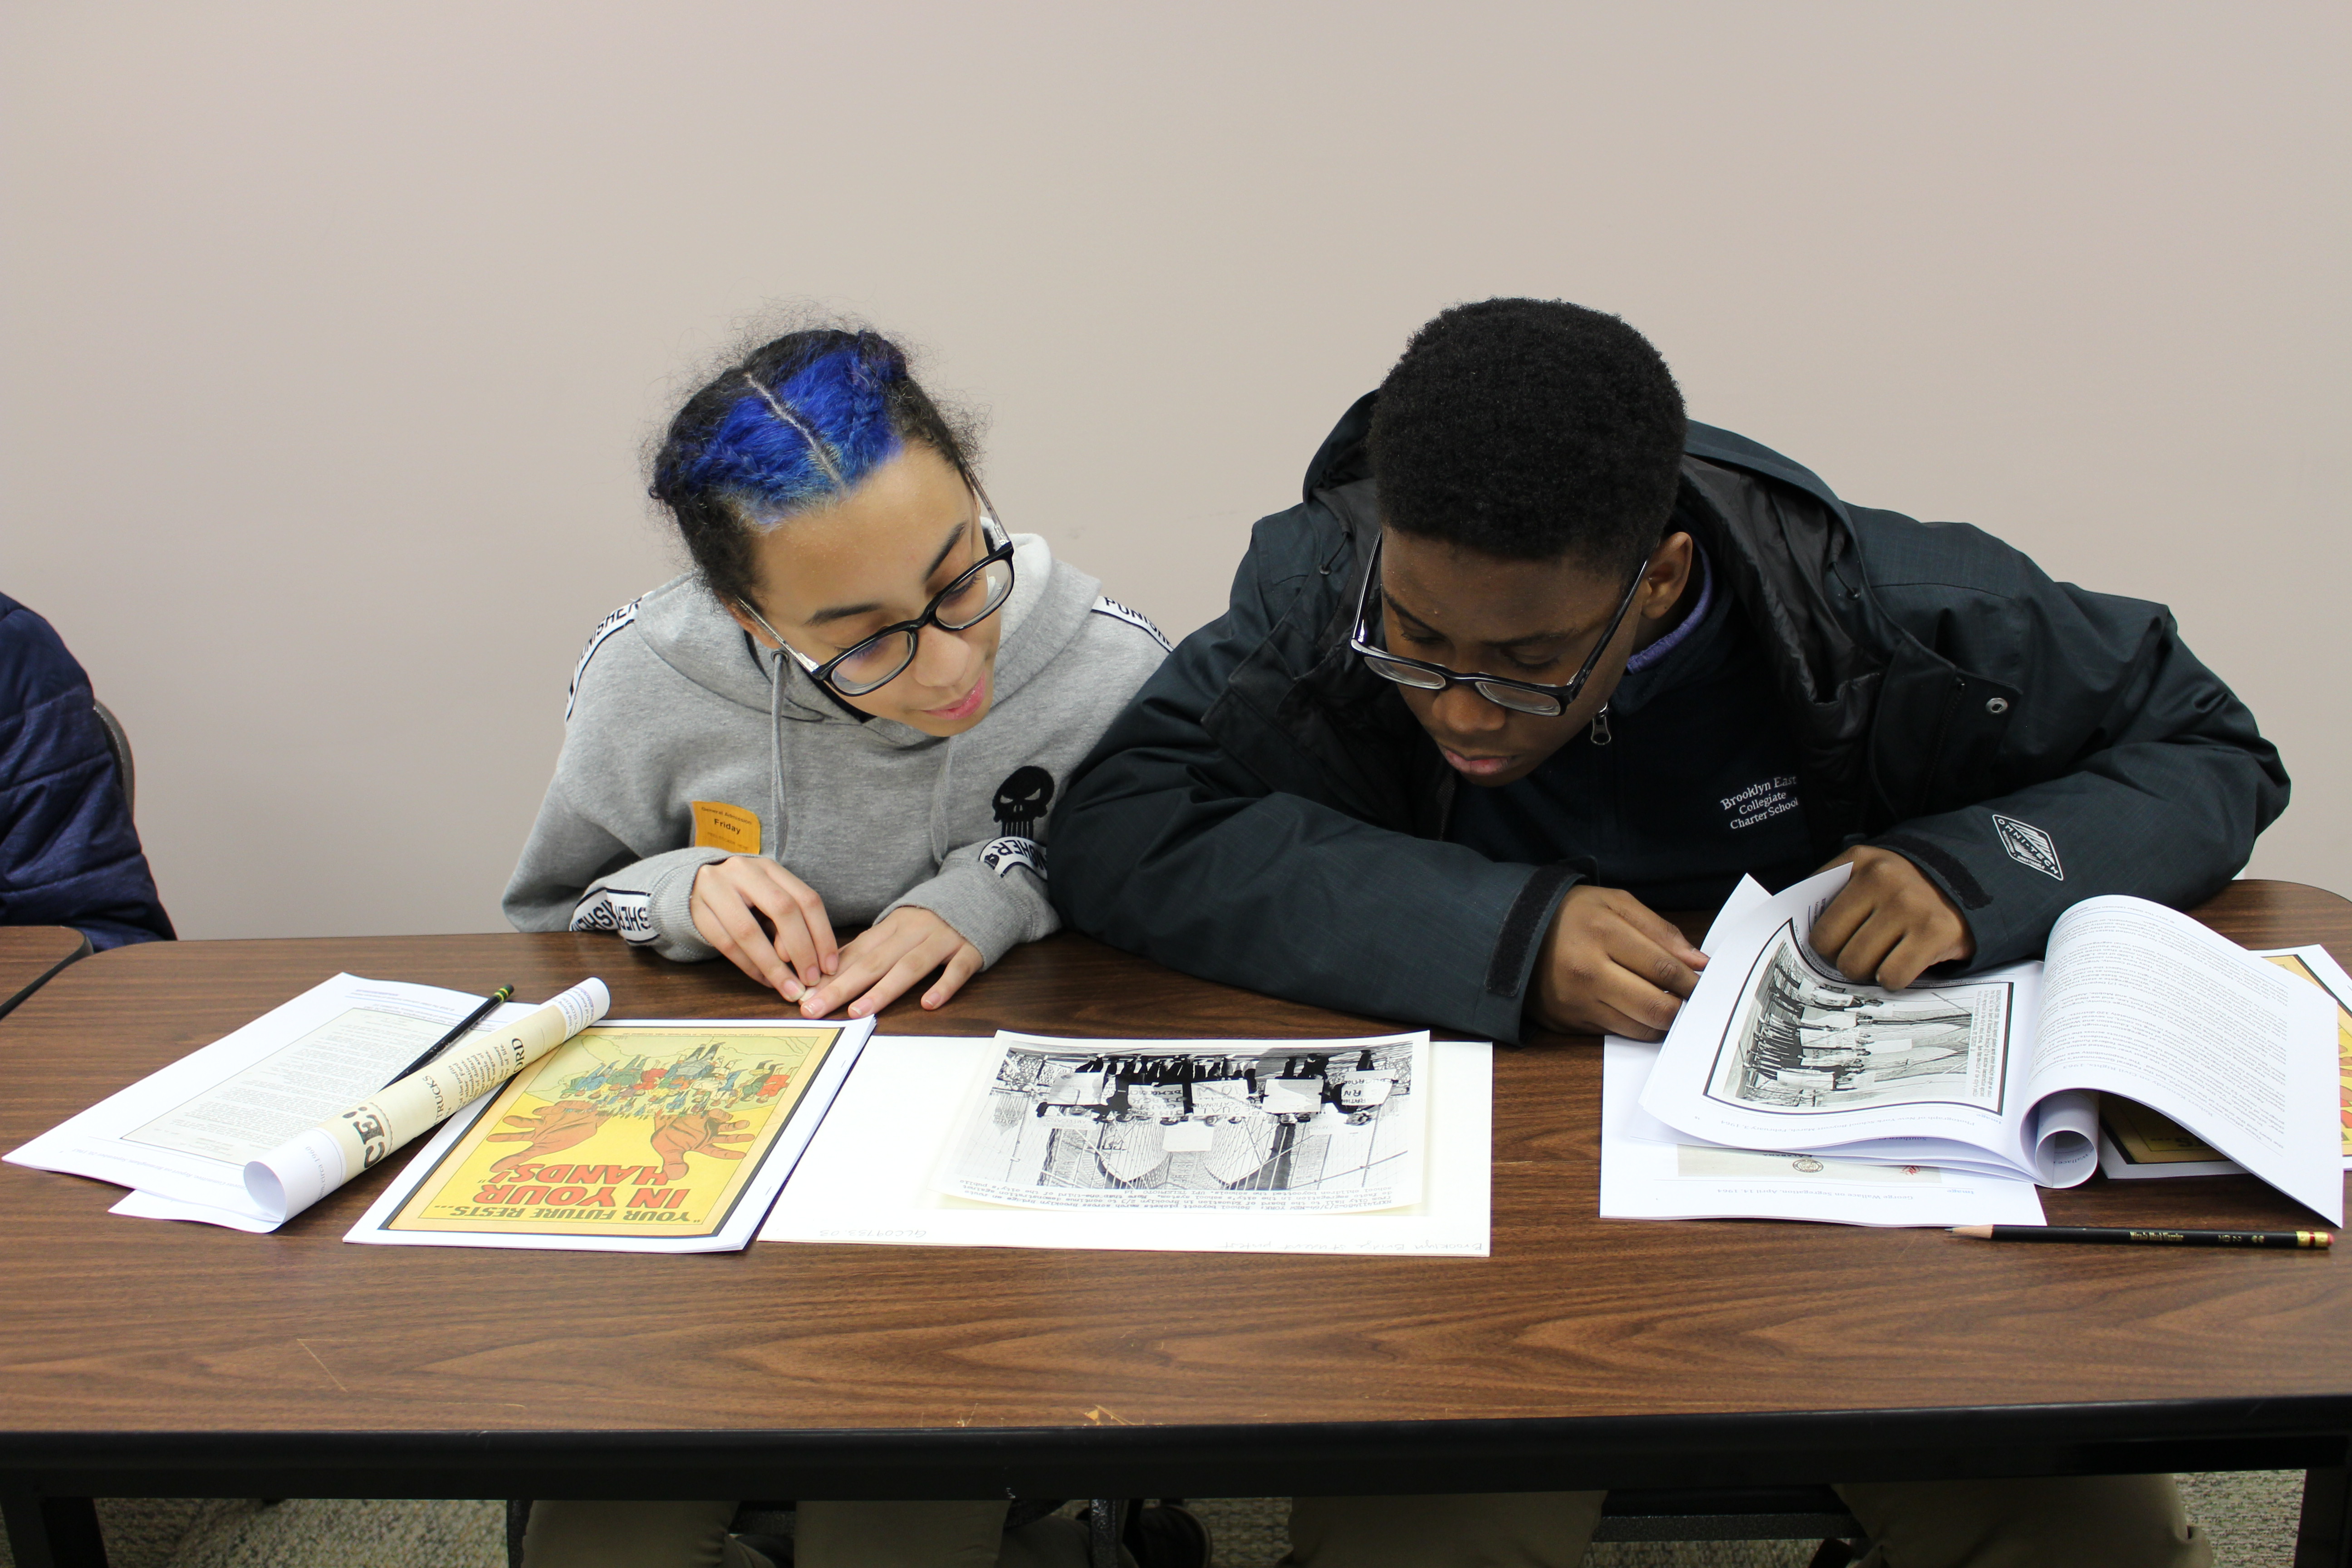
{"points": [[333, 330]]}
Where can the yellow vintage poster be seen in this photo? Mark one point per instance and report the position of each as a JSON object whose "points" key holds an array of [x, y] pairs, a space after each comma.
{"points": [[630, 1130]]}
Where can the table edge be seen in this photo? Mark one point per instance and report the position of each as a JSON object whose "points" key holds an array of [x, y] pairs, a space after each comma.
{"points": [[1481, 1453]]}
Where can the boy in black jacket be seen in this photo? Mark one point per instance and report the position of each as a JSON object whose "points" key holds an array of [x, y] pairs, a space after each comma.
{"points": [[1659, 655]]}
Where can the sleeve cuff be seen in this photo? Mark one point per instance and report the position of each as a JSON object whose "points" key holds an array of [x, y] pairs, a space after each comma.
{"points": [[983, 915], [1502, 1003], [673, 907]]}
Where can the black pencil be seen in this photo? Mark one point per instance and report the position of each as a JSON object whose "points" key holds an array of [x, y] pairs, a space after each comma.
{"points": [[503, 994], [2153, 1236]]}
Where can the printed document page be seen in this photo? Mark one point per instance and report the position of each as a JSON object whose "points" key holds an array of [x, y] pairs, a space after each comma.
{"points": [[183, 1135], [1776, 1049], [866, 1179], [2316, 965], [2149, 1005], [2136, 1143], [1648, 1171]]}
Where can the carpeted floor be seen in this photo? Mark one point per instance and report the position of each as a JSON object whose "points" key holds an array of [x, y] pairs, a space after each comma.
{"points": [[2250, 1517]]}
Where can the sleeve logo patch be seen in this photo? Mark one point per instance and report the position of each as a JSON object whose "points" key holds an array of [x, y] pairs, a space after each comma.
{"points": [[1002, 855], [628, 915], [604, 628], [1106, 605], [2029, 845]]}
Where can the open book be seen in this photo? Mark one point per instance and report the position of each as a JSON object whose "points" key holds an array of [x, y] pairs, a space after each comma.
{"points": [[2001, 1071], [2135, 1144]]}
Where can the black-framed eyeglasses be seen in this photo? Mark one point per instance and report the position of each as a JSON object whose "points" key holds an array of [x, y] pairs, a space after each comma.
{"points": [[1518, 696], [977, 594]]}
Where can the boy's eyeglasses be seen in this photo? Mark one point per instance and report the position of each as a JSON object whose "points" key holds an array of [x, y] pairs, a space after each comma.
{"points": [[977, 594], [1518, 696]]}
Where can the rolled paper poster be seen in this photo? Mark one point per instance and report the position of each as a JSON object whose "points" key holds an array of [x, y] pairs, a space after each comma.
{"points": [[315, 1161]]}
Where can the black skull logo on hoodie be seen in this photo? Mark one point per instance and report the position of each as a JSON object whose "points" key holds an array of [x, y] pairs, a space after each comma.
{"points": [[1021, 801]]}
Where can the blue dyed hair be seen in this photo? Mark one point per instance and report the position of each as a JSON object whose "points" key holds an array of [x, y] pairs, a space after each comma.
{"points": [[798, 422]]}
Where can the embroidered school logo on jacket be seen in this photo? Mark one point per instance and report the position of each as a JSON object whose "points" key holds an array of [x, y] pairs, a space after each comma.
{"points": [[1761, 801], [2029, 845], [629, 915]]}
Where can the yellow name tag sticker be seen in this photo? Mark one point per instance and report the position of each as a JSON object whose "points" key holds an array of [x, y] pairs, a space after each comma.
{"points": [[718, 825]]}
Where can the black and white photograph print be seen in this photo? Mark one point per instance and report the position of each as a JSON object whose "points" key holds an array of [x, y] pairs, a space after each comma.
{"points": [[1330, 1126], [1806, 1039]]}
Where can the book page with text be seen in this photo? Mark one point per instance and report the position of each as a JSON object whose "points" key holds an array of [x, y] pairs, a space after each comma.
{"points": [[2141, 1002]]}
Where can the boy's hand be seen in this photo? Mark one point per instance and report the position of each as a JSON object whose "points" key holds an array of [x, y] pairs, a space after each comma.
{"points": [[737, 902], [1890, 923], [887, 957], [1610, 966]]}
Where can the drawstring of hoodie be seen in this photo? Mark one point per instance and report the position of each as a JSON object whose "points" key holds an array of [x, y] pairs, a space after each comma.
{"points": [[776, 756], [775, 846], [940, 800]]}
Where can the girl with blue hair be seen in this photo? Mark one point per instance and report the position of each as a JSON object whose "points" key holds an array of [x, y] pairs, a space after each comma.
{"points": [[855, 710]]}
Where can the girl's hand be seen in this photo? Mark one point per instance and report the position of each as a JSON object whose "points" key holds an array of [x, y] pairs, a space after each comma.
{"points": [[737, 902], [885, 959]]}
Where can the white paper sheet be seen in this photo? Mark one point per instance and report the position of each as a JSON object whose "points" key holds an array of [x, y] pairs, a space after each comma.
{"points": [[299, 1172], [183, 1134], [138, 1203], [1650, 1171], [861, 1181]]}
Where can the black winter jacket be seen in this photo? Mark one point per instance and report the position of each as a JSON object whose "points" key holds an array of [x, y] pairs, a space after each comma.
{"points": [[1267, 813]]}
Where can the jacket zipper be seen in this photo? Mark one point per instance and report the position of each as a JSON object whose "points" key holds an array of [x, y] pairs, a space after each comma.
{"points": [[1936, 747]]}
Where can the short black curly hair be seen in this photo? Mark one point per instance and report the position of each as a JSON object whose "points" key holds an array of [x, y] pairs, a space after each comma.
{"points": [[1529, 429]]}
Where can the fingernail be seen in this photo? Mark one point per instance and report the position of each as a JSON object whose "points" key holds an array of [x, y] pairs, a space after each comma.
{"points": [[790, 987], [832, 965]]}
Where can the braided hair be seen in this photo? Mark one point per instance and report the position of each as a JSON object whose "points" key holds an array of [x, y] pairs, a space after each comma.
{"points": [[797, 422]]}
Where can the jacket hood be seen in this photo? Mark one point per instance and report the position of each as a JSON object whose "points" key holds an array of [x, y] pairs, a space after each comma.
{"points": [[688, 629]]}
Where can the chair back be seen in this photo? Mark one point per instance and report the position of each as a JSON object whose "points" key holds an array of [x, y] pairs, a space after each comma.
{"points": [[119, 743]]}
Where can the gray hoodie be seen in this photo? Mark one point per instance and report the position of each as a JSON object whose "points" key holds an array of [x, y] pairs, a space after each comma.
{"points": [[680, 748]]}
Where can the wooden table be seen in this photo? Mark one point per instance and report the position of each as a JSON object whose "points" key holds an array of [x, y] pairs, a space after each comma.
{"points": [[31, 954], [146, 1359]]}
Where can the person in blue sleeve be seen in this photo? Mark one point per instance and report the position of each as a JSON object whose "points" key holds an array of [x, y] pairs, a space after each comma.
{"points": [[68, 852]]}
